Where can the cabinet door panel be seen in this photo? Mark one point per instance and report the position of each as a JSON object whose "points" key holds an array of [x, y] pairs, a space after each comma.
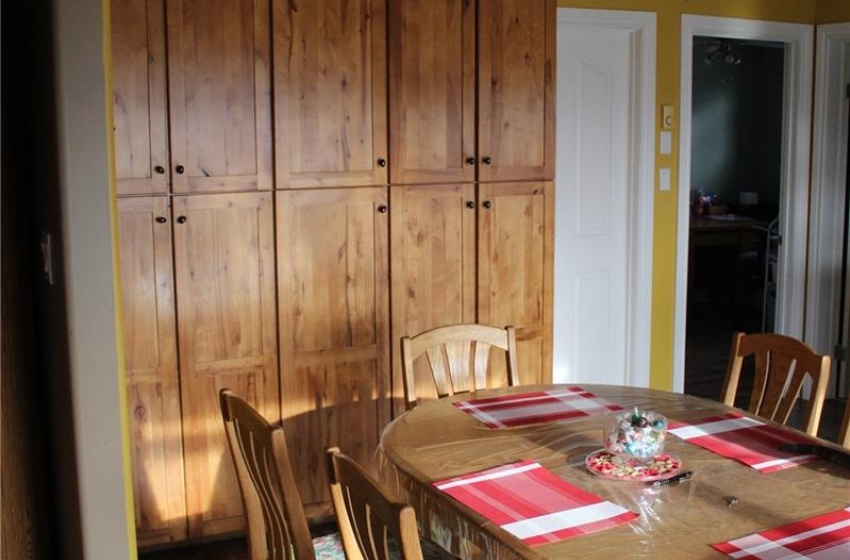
{"points": [[432, 88], [516, 82], [330, 93], [138, 79], [433, 273], [333, 286], [224, 258], [150, 354], [219, 94], [515, 265]]}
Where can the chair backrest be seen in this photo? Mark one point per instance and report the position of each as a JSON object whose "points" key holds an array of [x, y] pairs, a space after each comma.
{"points": [[277, 524], [782, 364], [844, 432], [458, 356], [373, 525]]}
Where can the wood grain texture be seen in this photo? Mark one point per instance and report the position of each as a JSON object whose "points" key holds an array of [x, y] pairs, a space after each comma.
{"points": [[516, 85], [333, 325], [516, 236], [781, 365], [139, 96], [432, 91], [219, 95], [330, 93], [433, 233], [224, 277], [459, 357], [150, 352]]}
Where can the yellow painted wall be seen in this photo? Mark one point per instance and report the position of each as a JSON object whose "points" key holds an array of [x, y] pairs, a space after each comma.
{"points": [[669, 27], [832, 11]]}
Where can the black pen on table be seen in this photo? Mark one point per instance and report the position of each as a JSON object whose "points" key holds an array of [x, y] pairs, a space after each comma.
{"points": [[675, 478]]}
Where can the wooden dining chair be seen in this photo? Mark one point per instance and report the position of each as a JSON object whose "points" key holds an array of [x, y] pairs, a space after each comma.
{"points": [[844, 431], [373, 524], [277, 524], [781, 365], [458, 356]]}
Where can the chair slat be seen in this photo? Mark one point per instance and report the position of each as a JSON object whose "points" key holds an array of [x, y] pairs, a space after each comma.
{"points": [[371, 521], [277, 525], [782, 364], [458, 357]]}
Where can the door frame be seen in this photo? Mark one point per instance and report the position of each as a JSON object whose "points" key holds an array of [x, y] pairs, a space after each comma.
{"points": [[794, 177], [642, 26], [828, 199]]}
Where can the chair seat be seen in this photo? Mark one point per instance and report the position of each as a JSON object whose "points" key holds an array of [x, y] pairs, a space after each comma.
{"points": [[432, 551], [329, 547]]}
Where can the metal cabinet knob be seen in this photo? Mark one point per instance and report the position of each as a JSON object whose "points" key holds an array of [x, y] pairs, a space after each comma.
{"points": [[181, 219], [486, 204], [470, 160], [161, 219], [179, 169], [470, 204], [382, 162], [382, 208], [487, 160], [159, 169]]}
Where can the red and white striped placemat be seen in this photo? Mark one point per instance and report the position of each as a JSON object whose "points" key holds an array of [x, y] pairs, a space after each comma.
{"points": [[533, 504], [537, 407], [822, 537], [744, 439]]}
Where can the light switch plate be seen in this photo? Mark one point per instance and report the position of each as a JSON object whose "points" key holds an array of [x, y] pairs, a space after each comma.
{"points": [[664, 179], [666, 142]]}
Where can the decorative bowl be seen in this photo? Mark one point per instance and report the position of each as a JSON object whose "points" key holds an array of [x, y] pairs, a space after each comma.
{"points": [[634, 437]]}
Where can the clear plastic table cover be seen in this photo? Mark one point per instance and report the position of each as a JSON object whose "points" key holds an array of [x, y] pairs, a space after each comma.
{"points": [[723, 500]]}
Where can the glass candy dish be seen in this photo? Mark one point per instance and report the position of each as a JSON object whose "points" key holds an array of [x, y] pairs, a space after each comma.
{"points": [[634, 437]]}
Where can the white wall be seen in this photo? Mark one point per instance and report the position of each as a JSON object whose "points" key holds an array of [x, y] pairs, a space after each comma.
{"points": [[83, 169]]}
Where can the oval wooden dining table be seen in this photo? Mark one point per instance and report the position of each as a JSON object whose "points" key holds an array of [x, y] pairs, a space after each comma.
{"points": [[724, 499]]}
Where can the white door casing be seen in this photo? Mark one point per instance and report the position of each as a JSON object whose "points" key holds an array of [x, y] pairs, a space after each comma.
{"points": [[828, 200], [794, 182], [603, 203]]}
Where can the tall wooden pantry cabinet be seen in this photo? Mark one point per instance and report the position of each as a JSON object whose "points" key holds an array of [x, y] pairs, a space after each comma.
{"points": [[299, 185], [196, 240], [472, 162]]}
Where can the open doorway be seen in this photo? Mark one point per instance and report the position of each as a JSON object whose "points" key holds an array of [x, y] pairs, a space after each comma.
{"points": [[736, 164], [787, 274]]}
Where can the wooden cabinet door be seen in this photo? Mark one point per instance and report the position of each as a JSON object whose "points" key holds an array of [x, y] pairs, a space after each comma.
{"points": [[432, 91], [224, 264], [219, 95], [150, 362], [333, 297], [516, 87], [515, 247], [138, 79], [433, 272], [330, 93]]}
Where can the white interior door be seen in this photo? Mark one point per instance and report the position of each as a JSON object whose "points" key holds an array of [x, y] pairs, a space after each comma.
{"points": [[603, 196]]}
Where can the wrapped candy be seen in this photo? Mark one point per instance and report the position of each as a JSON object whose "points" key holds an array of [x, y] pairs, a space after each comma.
{"points": [[635, 435]]}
